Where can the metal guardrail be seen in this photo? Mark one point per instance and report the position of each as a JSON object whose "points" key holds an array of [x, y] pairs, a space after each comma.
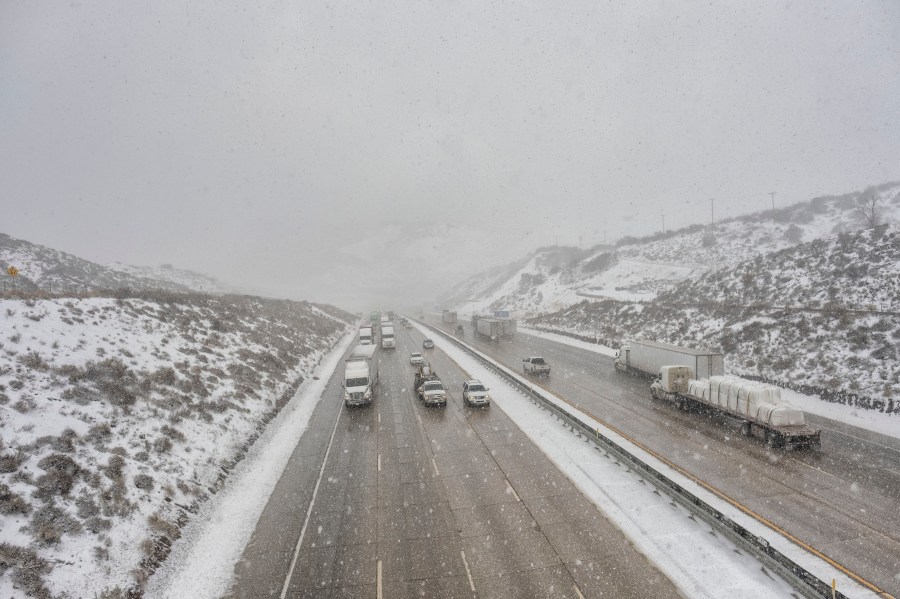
{"points": [[796, 575]]}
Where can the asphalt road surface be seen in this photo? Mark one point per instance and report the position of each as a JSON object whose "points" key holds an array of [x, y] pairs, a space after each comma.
{"points": [[843, 500], [416, 501]]}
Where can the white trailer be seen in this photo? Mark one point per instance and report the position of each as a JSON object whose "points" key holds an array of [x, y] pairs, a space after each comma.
{"points": [[648, 357], [489, 328], [757, 406], [365, 336], [361, 376], [448, 317]]}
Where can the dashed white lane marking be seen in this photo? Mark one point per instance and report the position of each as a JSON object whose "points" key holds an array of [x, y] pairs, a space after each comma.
{"points": [[312, 502], [378, 580], [379, 417], [577, 591], [468, 572], [436, 471], [513, 491], [379, 462]]}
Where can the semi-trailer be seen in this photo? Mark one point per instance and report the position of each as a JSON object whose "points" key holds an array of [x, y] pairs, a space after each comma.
{"points": [[365, 336], [361, 376], [647, 357], [448, 317], [757, 406], [489, 328]]}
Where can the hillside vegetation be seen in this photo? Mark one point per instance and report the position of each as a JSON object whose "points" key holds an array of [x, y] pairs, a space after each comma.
{"points": [[120, 415], [820, 316]]}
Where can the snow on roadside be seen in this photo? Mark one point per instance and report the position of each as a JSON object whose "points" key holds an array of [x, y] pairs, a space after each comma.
{"points": [[870, 420], [202, 561], [565, 339], [711, 567], [659, 530]]}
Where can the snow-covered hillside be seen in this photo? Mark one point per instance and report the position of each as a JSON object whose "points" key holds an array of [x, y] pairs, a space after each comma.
{"points": [[118, 416], [51, 270], [640, 269], [823, 315], [176, 276]]}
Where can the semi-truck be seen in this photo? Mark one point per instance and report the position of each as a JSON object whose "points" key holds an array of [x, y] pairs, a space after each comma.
{"points": [[361, 376], [387, 338], [647, 357], [488, 328], [365, 336], [448, 317], [757, 406]]}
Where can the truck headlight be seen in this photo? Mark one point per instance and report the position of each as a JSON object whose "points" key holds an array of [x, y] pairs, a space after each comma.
{"points": [[367, 395], [346, 395]]}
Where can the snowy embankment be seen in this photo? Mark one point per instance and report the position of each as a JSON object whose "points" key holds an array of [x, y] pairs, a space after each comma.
{"points": [[870, 420], [120, 417], [201, 564], [699, 563]]}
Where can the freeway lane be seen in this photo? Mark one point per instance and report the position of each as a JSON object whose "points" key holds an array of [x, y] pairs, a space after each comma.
{"points": [[430, 502], [843, 501]]}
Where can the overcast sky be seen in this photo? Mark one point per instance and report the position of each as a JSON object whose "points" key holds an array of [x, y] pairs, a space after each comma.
{"points": [[254, 142]]}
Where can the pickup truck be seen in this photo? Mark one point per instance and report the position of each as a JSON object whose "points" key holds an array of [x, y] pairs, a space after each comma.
{"points": [[536, 365], [416, 359], [432, 392]]}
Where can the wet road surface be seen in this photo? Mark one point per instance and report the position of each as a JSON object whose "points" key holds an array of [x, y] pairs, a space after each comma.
{"points": [[418, 501], [843, 500]]}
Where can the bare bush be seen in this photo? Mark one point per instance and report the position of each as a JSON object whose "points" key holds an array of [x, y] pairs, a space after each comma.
{"points": [[11, 502], [27, 569], [50, 523], [144, 482], [61, 471]]}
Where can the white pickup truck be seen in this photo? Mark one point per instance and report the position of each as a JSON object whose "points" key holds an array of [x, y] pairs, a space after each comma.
{"points": [[536, 365]]}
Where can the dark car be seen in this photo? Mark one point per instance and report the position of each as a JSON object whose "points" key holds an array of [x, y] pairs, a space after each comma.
{"points": [[428, 344]]}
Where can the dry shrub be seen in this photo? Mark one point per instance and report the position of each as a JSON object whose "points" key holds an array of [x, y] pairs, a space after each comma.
{"points": [[61, 471]]}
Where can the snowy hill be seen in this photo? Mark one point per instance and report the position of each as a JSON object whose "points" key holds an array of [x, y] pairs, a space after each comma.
{"points": [[179, 277], [51, 270], [823, 317], [640, 269], [118, 417]]}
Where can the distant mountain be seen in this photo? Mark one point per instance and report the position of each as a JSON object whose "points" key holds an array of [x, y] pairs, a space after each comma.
{"points": [[408, 263], [551, 279], [45, 268]]}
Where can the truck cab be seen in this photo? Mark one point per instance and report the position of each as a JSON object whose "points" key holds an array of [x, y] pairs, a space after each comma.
{"points": [[387, 338]]}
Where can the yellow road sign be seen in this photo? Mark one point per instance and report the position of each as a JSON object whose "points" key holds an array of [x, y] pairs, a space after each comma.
{"points": [[13, 271]]}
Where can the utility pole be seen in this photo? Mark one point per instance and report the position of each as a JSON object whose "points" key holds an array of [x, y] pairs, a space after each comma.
{"points": [[772, 193], [664, 224], [712, 212]]}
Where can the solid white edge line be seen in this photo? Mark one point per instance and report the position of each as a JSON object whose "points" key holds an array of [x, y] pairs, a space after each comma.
{"points": [[468, 572], [577, 591], [312, 502], [436, 471]]}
